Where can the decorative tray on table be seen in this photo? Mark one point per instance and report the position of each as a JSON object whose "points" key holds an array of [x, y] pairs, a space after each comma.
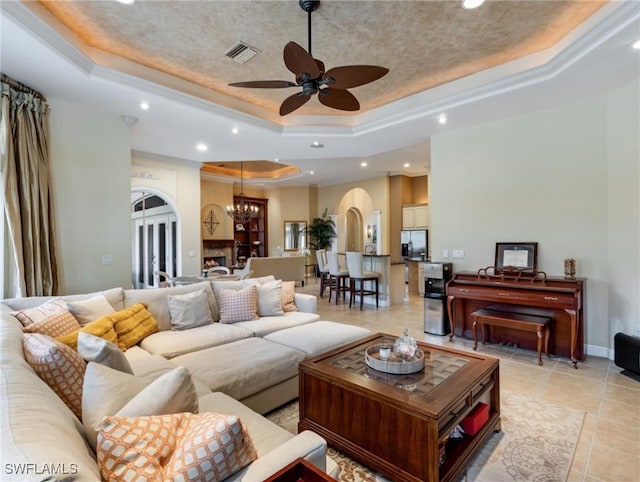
{"points": [[391, 363]]}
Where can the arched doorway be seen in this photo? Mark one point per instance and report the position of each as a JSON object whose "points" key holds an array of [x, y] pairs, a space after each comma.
{"points": [[354, 230], [154, 238]]}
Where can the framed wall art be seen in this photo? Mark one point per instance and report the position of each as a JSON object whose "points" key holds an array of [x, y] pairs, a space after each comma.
{"points": [[518, 255]]}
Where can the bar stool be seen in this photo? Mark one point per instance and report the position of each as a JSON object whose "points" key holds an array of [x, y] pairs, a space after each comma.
{"points": [[337, 276], [358, 276], [323, 269]]}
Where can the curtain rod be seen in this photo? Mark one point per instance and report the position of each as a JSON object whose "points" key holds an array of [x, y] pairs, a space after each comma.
{"points": [[21, 87]]}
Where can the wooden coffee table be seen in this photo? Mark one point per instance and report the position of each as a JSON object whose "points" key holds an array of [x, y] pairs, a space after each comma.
{"points": [[397, 424]]}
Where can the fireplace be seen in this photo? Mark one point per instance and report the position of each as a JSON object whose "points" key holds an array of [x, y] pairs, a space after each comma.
{"points": [[217, 252]]}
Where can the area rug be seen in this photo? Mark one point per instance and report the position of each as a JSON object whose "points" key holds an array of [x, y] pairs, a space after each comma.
{"points": [[537, 443]]}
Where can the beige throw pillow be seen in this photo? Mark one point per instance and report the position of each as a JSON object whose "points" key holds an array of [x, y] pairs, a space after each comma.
{"points": [[177, 447], [189, 310], [289, 296], [109, 392], [90, 309], [95, 349], [270, 298], [28, 316]]}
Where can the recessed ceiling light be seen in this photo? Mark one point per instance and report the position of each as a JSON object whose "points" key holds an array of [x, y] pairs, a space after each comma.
{"points": [[317, 145], [126, 2], [311, 172], [235, 130], [442, 119], [636, 45], [469, 4], [276, 160], [363, 164], [144, 106], [406, 164], [202, 147]]}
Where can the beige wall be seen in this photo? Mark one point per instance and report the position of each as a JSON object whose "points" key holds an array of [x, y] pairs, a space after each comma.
{"points": [[285, 204], [217, 196], [419, 190], [90, 171], [376, 198], [566, 178], [178, 182]]}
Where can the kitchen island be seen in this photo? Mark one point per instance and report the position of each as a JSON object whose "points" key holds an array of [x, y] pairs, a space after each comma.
{"points": [[390, 283]]}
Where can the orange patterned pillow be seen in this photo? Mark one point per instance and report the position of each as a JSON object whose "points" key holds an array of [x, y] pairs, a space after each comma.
{"points": [[58, 365], [288, 296], [57, 324], [180, 446], [39, 313]]}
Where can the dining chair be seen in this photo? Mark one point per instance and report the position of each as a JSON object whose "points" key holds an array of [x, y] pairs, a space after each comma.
{"points": [[358, 277], [218, 270], [338, 276], [323, 269], [158, 281]]}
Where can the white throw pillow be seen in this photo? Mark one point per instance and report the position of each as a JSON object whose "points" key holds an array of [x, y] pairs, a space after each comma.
{"points": [[109, 392], [90, 309], [189, 310], [270, 298], [95, 349]]}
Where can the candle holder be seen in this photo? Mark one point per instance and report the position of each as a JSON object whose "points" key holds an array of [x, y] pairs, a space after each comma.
{"points": [[569, 268]]}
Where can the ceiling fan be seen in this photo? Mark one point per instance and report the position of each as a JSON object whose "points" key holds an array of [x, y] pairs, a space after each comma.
{"points": [[331, 86]]}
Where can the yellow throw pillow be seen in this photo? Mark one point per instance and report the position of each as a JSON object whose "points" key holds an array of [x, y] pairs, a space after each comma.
{"points": [[181, 446], [102, 328], [133, 324]]}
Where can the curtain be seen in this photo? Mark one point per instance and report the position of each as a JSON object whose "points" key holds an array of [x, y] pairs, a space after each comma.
{"points": [[29, 255]]}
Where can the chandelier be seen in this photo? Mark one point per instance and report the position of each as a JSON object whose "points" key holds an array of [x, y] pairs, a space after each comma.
{"points": [[242, 211]]}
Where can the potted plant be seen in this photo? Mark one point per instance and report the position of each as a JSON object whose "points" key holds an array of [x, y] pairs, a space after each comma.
{"points": [[321, 231]]}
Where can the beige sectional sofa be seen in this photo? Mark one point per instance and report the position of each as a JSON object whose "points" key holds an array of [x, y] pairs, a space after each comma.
{"points": [[235, 369]]}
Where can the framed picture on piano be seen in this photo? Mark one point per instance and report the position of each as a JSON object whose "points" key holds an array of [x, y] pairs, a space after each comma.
{"points": [[518, 255]]}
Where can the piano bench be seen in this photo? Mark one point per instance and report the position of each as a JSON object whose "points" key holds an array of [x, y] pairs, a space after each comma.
{"points": [[516, 321]]}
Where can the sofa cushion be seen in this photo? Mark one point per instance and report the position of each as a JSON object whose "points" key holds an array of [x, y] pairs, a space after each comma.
{"points": [[59, 366], [28, 316], [133, 324], [241, 305], [96, 349], [102, 327], [174, 343], [243, 367], [91, 309], [114, 297], [288, 296], [110, 392], [36, 426], [269, 324], [270, 298], [156, 301], [207, 446], [189, 310], [57, 324], [318, 337]]}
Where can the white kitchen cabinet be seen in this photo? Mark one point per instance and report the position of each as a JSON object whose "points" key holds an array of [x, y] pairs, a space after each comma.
{"points": [[415, 216]]}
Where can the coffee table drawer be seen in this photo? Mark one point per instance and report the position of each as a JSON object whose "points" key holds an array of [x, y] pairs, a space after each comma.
{"points": [[449, 420]]}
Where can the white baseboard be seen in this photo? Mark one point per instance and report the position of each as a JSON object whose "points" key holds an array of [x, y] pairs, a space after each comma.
{"points": [[599, 351]]}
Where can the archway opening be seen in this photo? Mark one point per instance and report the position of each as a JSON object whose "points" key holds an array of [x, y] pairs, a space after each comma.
{"points": [[354, 230]]}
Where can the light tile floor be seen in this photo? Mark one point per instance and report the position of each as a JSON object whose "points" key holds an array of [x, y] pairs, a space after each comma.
{"points": [[609, 444]]}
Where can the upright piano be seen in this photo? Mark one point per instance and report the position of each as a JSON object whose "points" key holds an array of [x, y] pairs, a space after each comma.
{"points": [[559, 298]]}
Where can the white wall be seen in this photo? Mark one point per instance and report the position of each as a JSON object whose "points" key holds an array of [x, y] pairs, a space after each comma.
{"points": [[554, 178], [177, 181], [90, 168]]}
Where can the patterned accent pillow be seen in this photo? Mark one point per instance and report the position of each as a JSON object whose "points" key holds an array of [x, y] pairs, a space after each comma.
{"points": [[58, 365], [133, 324], [288, 296], [241, 305], [181, 446], [39, 313], [57, 324], [102, 328]]}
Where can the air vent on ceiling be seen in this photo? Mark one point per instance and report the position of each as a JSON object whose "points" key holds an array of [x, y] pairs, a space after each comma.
{"points": [[241, 52]]}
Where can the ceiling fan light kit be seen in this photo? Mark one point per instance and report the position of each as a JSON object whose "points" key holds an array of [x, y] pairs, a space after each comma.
{"points": [[330, 86]]}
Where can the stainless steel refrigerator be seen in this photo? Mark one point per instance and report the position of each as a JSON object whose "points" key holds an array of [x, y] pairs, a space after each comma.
{"points": [[415, 244]]}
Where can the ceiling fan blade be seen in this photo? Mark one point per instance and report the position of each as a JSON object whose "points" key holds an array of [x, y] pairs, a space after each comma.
{"points": [[299, 61], [338, 99], [293, 102], [265, 84], [351, 76]]}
